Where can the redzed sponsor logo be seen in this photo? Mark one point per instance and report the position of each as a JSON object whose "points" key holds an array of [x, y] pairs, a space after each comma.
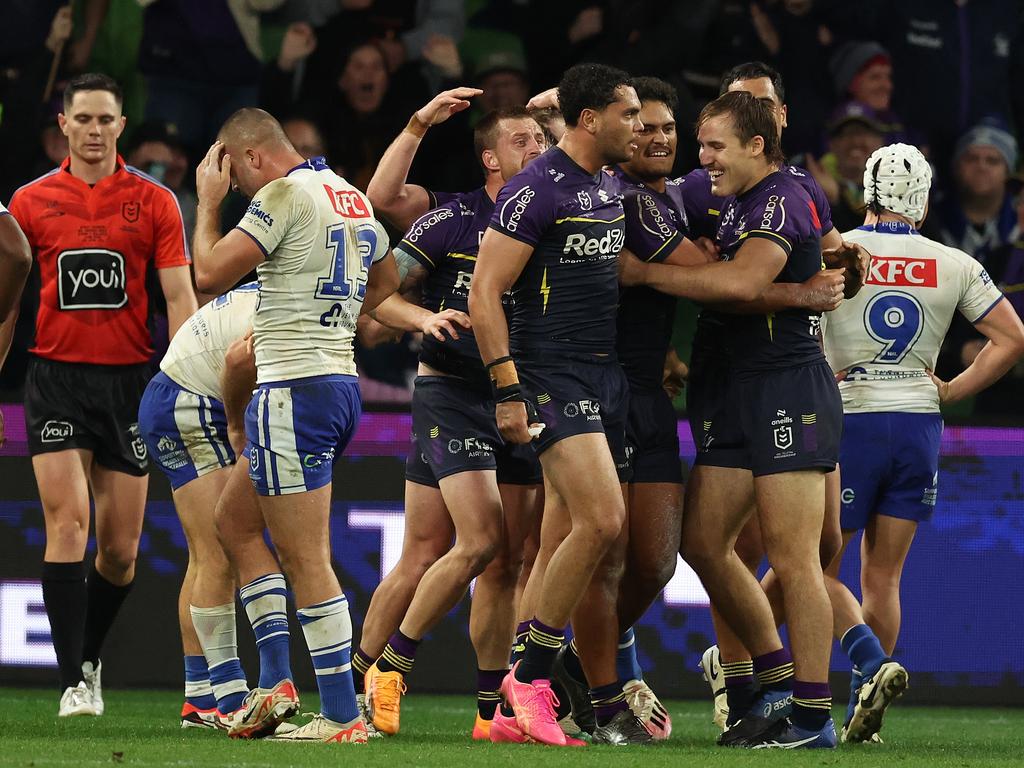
{"points": [[348, 203], [890, 270]]}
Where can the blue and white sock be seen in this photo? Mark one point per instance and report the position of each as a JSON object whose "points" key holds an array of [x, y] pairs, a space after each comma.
{"points": [[198, 692], [215, 628], [328, 631], [856, 680], [864, 650], [627, 666], [266, 604]]}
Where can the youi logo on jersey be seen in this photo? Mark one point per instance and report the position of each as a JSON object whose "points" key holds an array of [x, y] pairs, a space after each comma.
{"points": [[91, 278]]}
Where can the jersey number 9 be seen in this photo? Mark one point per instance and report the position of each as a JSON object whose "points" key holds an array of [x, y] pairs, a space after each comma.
{"points": [[895, 319]]}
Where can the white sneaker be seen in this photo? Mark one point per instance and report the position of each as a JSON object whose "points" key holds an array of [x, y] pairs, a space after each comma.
{"points": [[714, 676], [648, 709], [76, 701], [324, 730], [371, 729], [92, 682]]}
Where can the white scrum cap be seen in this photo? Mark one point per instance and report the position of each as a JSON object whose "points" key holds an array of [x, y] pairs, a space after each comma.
{"points": [[898, 178]]}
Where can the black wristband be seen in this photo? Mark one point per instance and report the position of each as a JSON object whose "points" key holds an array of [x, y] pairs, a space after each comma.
{"points": [[507, 394], [499, 361]]}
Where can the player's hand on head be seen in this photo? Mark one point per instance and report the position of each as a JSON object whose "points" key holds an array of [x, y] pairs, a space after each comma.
{"points": [[855, 259], [213, 175], [446, 104], [824, 290], [544, 100], [512, 422], [632, 271], [445, 322]]}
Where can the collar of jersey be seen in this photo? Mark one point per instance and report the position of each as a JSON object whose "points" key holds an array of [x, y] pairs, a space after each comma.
{"points": [[313, 164], [573, 165], [889, 228], [759, 186], [66, 167]]}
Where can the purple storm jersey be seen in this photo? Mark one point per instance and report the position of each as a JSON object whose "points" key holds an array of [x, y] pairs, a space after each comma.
{"points": [[656, 224], [445, 241], [566, 298], [437, 199], [703, 210], [778, 209]]}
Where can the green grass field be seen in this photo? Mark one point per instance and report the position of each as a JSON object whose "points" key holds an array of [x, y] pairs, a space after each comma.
{"points": [[141, 728]]}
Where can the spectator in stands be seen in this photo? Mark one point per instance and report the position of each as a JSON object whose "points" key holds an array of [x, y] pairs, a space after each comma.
{"points": [[305, 136], [854, 132], [502, 76], [202, 62], [862, 71], [978, 216], [357, 118], [157, 150], [953, 62]]}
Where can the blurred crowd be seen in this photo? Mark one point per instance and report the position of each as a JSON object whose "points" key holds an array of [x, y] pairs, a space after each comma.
{"points": [[344, 76]]}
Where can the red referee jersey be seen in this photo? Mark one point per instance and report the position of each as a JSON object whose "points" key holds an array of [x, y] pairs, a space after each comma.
{"points": [[93, 246]]}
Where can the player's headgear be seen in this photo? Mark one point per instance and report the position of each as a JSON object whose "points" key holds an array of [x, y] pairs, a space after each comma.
{"points": [[897, 177]]}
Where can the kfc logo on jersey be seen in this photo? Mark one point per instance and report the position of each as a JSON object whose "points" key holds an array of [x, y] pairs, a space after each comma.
{"points": [[91, 278], [886, 270], [348, 203], [514, 208]]}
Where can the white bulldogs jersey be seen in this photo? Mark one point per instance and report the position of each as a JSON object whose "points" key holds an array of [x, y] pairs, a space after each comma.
{"points": [[319, 237], [891, 331], [195, 357], [3, 209]]}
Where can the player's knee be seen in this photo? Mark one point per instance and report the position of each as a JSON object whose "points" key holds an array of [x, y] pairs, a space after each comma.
{"points": [[118, 557], [475, 555], [797, 568], [698, 554], [750, 552], [68, 531], [652, 576], [880, 579]]}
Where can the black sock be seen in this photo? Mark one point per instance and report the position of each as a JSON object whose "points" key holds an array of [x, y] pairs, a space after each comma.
{"points": [[64, 594], [103, 602], [541, 648]]}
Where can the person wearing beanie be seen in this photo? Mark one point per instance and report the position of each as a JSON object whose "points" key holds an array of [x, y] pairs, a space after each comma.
{"points": [[862, 71], [977, 215]]}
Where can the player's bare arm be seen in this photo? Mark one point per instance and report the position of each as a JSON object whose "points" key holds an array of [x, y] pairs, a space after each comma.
{"points": [[176, 284], [382, 282], [15, 263], [392, 197], [238, 380], [500, 262], [219, 262], [1002, 327], [401, 311], [744, 278]]}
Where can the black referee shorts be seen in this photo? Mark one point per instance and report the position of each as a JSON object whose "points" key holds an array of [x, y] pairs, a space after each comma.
{"points": [[93, 407]]}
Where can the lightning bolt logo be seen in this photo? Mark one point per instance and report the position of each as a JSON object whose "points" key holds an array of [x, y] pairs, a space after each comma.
{"points": [[545, 290]]}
